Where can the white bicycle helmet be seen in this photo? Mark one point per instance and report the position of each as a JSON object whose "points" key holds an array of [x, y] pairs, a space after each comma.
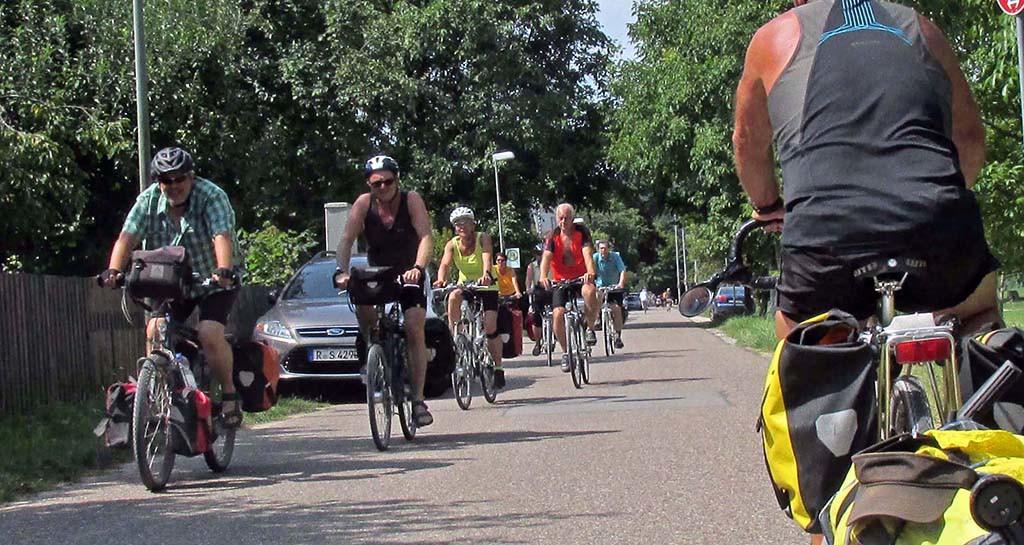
{"points": [[460, 213], [380, 162]]}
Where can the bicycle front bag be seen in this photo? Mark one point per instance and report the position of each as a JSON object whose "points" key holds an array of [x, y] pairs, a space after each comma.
{"points": [[819, 408], [374, 285], [163, 273], [916, 491]]}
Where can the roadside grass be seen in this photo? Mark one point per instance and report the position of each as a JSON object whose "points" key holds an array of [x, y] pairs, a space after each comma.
{"points": [[55, 444], [1013, 313], [755, 332]]}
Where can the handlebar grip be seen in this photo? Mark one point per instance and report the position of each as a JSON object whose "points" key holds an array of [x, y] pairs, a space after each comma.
{"points": [[764, 283]]}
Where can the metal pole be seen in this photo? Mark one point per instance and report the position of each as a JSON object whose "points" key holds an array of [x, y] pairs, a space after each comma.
{"points": [[1020, 67], [497, 194], [675, 235], [141, 94], [682, 235]]}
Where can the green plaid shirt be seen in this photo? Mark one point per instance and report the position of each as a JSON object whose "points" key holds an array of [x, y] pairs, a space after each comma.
{"points": [[209, 213]]}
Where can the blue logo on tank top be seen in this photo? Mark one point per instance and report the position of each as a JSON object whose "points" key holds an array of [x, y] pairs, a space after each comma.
{"points": [[859, 15]]}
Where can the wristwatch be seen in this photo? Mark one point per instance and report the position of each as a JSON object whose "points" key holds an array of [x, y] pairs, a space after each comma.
{"points": [[769, 208]]}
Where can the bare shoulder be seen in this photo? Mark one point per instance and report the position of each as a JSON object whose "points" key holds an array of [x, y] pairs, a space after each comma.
{"points": [[362, 203]]}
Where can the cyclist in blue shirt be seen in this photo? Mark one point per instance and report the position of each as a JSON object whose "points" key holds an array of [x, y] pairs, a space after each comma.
{"points": [[611, 273]]}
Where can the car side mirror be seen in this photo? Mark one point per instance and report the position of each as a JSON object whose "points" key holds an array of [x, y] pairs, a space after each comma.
{"points": [[272, 297], [695, 301]]}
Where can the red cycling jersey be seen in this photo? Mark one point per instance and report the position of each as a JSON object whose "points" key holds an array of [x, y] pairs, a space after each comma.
{"points": [[568, 263]]}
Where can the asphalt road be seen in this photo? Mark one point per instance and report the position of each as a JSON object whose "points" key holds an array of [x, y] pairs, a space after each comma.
{"points": [[661, 448]]}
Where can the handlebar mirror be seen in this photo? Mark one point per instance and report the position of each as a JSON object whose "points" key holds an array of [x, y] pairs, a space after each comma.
{"points": [[695, 301]]}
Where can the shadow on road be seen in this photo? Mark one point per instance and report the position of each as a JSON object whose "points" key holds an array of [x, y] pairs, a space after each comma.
{"points": [[638, 381], [667, 325]]}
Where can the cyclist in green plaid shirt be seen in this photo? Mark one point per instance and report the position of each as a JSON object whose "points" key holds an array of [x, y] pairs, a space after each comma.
{"points": [[181, 209]]}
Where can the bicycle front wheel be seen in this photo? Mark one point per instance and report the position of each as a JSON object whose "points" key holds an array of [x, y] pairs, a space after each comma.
{"points": [[462, 375], [573, 336], [548, 338], [151, 417], [378, 396], [487, 375], [608, 330]]}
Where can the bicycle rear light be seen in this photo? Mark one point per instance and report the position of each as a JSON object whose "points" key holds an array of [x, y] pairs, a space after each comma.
{"points": [[721, 298], [923, 350]]}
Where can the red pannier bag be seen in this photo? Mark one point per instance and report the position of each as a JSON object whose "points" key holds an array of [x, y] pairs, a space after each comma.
{"points": [[510, 325], [117, 421], [190, 416], [256, 372]]}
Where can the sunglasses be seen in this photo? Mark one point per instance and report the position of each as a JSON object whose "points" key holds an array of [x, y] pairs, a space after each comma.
{"points": [[501, 260], [174, 181], [383, 183]]}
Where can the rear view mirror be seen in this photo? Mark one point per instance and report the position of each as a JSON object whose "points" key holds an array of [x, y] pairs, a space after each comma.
{"points": [[695, 301], [272, 297]]}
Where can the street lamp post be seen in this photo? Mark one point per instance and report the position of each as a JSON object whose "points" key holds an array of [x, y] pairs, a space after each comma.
{"points": [[501, 156], [141, 94]]}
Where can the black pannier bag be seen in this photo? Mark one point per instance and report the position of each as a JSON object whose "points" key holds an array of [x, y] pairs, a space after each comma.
{"points": [[163, 273], [374, 285], [982, 355], [190, 413], [441, 357]]}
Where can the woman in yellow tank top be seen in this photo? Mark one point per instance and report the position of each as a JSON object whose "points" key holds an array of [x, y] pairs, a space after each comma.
{"points": [[471, 253], [507, 282]]}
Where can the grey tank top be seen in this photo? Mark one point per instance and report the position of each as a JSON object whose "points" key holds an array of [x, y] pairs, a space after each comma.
{"points": [[863, 129]]}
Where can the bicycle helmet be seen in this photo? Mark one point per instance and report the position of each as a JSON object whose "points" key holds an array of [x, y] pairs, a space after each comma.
{"points": [[380, 162], [170, 161], [461, 212]]}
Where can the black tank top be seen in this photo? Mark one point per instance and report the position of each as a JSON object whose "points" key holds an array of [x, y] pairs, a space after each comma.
{"points": [[394, 247], [863, 124]]}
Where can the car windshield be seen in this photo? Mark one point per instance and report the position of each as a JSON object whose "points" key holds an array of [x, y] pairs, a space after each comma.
{"points": [[314, 282]]}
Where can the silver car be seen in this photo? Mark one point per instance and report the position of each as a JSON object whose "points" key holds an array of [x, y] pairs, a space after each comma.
{"points": [[312, 326]]}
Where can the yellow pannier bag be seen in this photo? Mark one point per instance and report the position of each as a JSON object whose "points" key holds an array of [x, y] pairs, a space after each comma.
{"points": [[818, 410], [917, 491]]}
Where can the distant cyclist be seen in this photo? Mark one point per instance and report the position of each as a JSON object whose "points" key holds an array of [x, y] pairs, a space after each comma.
{"points": [[470, 252], [611, 273], [541, 297], [183, 209], [568, 255], [508, 284], [397, 229]]}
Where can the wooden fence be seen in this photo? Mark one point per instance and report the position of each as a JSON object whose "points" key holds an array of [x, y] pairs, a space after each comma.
{"points": [[65, 339]]}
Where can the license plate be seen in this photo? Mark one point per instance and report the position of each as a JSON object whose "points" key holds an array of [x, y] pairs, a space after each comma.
{"points": [[333, 354]]}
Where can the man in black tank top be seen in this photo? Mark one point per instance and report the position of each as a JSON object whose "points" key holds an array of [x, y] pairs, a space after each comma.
{"points": [[397, 229], [879, 140]]}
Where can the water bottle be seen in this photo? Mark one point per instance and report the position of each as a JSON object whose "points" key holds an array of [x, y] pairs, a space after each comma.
{"points": [[186, 370]]}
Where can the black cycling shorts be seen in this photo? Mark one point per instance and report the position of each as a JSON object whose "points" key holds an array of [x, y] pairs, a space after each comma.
{"points": [[488, 299], [562, 295], [812, 282], [214, 307], [412, 297], [615, 297]]}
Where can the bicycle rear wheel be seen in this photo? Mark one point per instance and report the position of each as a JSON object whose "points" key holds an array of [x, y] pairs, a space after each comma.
{"points": [[222, 447], [462, 375], [151, 417], [403, 399], [909, 410], [378, 396], [608, 330], [585, 351]]}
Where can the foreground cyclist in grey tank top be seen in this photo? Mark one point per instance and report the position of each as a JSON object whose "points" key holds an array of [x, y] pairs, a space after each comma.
{"points": [[879, 140]]}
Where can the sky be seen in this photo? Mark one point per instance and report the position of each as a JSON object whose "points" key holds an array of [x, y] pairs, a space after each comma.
{"points": [[614, 15]]}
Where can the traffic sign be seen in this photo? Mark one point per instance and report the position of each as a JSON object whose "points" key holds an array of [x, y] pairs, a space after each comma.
{"points": [[513, 257], [1011, 7]]}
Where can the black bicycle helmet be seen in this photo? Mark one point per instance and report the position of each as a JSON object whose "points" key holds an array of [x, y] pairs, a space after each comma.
{"points": [[170, 161], [380, 162]]}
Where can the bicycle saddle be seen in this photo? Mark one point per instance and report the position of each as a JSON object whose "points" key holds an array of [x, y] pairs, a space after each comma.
{"points": [[894, 268]]}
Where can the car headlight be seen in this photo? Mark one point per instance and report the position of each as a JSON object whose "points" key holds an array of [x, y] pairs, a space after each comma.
{"points": [[274, 328]]}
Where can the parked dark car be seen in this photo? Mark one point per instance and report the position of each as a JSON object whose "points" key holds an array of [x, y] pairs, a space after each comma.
{"points": [[732, 300], [312, 327]]}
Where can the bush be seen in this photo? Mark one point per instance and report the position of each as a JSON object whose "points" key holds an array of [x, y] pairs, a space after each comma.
{"points": [[273, 255]]}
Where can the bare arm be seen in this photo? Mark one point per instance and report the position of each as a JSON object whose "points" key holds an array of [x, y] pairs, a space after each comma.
{"points": [[622, 279], [421, 222], [353, 228], [588, 260], [545, 266], [486, 250], [119, 255], [968, 131], [222, 250], [752, 134], [515, 284], [446, 261]]}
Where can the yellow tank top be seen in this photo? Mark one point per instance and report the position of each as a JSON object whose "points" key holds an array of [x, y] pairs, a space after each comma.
{"points": [[506, 284], [471, 267]]}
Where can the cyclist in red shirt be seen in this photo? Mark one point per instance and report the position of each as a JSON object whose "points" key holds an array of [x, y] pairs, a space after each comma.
{"points": [[568, 255]]}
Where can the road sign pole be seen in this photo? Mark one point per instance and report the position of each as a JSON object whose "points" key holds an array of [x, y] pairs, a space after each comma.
{"points": [[1020, 67]]}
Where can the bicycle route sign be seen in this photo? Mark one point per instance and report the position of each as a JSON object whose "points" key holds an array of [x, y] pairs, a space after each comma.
{"points": [[513, 257], [1011, 7]]}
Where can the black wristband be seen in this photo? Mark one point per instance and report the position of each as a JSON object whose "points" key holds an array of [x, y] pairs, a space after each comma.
{"points": [[768, 209], [225, 273], [418, 268]]}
